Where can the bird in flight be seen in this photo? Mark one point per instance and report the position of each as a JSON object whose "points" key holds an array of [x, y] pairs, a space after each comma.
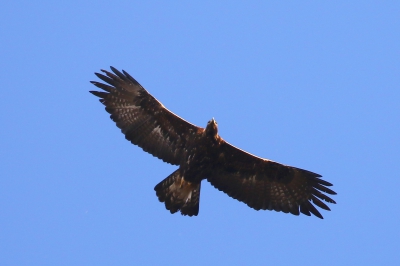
{"points": [[202, 154]]}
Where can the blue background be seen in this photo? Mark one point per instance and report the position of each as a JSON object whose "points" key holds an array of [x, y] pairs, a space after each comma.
{"points": [[313, 84]]}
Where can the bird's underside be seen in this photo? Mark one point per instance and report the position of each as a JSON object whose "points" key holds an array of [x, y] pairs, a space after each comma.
{"points": [[201, 154]]}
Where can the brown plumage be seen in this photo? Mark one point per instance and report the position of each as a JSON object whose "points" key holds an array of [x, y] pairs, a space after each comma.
{"points": [[201, 154]]}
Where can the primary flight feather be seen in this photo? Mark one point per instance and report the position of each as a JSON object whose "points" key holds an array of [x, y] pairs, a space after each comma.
{"points": [[202, 154]]}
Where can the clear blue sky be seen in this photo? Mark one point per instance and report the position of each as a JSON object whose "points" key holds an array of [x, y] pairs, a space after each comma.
{"points": [[313, 84]]}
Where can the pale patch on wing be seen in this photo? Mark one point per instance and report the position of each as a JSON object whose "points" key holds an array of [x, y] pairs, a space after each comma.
{"points": [[157, 131]]}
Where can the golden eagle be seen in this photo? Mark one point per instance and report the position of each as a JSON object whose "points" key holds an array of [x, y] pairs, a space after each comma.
{"points": [[201, 154]]}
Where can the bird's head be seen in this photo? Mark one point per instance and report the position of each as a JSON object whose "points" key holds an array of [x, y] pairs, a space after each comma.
{"points": [[212, 128]]}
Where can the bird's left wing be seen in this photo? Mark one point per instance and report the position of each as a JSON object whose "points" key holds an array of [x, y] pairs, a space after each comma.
{"points": [[268, 185], [142, 119]]}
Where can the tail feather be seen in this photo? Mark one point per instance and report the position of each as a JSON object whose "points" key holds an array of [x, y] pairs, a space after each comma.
{"points": [[179, 194]]}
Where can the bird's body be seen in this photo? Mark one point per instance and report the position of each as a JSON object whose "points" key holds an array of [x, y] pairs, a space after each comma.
{"points": [[202, 154]]}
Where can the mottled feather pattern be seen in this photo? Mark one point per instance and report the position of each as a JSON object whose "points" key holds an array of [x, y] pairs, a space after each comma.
{"points": [[267, 185], [179, 194], [138, 115]]}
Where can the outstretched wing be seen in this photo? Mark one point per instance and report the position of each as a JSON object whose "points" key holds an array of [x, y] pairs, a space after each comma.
{"points": [[144, 120], [267, 185]]}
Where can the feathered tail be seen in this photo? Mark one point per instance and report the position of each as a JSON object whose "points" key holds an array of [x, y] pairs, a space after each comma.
{"points": [[179, 194]]}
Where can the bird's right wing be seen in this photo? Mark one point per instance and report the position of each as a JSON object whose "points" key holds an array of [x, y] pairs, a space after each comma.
{"points": [[142, 119]]}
